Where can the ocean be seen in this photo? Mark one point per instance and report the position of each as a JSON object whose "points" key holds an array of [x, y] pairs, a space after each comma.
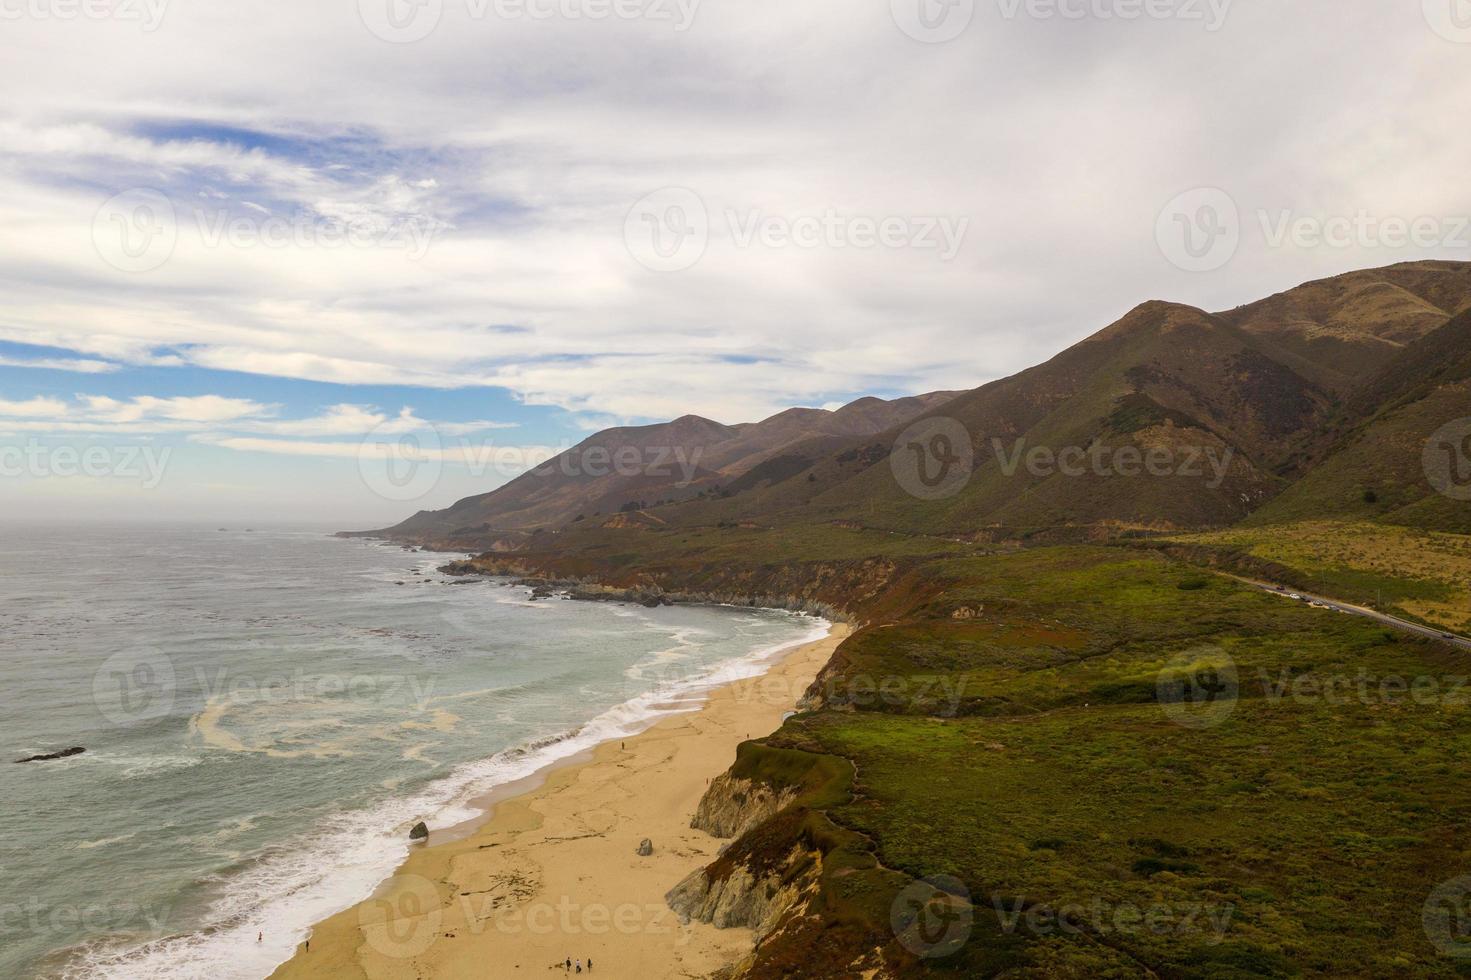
{"points": [[266, 714]]}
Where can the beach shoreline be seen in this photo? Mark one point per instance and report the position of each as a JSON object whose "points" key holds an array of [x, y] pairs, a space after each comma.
{"points": [[552, 871]]}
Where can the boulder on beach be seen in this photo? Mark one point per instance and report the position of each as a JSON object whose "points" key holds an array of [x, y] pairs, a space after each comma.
{"points": [[645, 847], [420, 832]]}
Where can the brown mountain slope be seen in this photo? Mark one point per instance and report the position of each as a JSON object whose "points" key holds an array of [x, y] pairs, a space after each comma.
{"points": [[1215, 405], [1243, 392], [1171, 417], [1399, 444], [1345, 328], [637, 465]]}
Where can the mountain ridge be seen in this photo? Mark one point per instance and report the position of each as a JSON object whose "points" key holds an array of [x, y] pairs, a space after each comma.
{"points": [[1269, 387]]}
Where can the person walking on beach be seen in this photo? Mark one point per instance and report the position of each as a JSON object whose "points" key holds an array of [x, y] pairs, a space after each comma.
{"points": [[568, 965], [579, 966]]}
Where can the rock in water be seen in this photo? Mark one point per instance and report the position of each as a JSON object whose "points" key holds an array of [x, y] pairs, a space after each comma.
{"points": [[645, 847], [420, 832], [48, 756]]}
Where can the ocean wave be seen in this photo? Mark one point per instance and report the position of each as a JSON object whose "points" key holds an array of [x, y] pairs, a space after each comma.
{"points": [[88, 845], [282, 891]]}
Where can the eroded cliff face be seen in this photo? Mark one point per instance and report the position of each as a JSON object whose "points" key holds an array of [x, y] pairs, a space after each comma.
{"points": [[732, 806], [760, 876], [745, 897]]}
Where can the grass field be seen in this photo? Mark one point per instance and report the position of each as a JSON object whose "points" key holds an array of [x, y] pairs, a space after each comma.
{"points": [[1294, 828], [1423, 575], [1129, 766]]}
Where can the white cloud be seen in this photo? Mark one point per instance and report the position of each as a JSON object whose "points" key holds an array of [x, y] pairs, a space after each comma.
{"points": [[33, 408], [361, 420], [530, 140], [203, 409], [480, 458], [77, 365]]}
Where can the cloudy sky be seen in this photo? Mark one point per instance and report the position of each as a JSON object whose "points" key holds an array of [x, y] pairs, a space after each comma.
{"points": [[249, 247]]}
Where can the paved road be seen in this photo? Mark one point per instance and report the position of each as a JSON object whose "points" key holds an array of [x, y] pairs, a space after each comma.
{"points": [[1385, 618]]}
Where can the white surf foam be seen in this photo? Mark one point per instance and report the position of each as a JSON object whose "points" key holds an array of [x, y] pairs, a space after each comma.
{"points": [[340, 862]]}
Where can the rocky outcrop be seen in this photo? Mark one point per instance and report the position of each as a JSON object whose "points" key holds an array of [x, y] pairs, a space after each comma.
{"points": [[731, 806], [420, 831], [50, 756], [742, 897], [823, 589], [645, 847]]}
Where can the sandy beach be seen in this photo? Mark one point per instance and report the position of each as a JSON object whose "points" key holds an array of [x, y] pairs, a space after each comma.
{"points": [[554, 872]]}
